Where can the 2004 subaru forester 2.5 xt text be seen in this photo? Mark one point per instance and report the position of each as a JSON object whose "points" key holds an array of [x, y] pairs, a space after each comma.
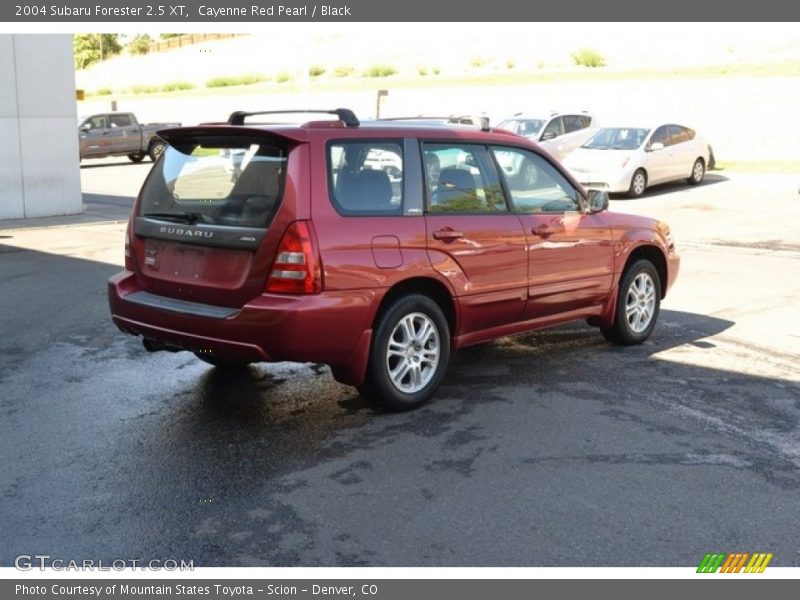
{"points": [[376, 248]]}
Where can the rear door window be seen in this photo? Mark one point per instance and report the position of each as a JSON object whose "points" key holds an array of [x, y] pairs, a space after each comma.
{"points": [[574, 123], [679, 134], [119, 121], [366, 177], [216, 182]]}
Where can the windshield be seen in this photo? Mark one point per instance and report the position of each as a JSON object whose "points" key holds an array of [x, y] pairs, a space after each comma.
{"points": [[529, 127], [617, 138], [237, 183]]}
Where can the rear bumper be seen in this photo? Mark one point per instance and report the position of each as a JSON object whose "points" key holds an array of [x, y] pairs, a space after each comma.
{"points": [[332, 328]]}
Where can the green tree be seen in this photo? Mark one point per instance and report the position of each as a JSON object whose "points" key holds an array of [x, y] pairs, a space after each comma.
{"points": [[140, 44], [166, 36], [89, 48]]}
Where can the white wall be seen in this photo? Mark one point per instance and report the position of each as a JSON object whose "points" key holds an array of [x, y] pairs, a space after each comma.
{"points": [[39, 164]]}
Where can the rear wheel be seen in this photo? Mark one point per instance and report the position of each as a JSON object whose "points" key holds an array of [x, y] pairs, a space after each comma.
{"points": [[224, 364], [698, 172], [638, 184], [409, 354], [136, 157], [156, 148], [638, 304]]}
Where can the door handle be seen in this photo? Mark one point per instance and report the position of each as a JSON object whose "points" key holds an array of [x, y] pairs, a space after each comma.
{"points": [[447, 235], [543, 230]]}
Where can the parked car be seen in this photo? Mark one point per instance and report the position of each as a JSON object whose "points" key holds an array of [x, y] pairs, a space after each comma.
{"points": [[630, 159], [558, 133], [120, 134], [314, 254]]}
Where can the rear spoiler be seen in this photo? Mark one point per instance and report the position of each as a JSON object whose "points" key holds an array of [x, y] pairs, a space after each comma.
{"points": [[294, 134]]}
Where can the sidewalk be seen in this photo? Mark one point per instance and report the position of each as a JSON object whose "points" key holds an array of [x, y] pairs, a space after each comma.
{"points": [[97, 208]]}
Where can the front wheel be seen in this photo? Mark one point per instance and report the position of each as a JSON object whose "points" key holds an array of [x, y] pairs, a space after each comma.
{"points": [[136, 157], [638, 304], [638, 184], [156, 148], [409, 354], [698, 172]]}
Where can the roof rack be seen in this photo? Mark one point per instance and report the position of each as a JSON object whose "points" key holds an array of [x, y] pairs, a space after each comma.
{"points": [[346, 116], [480, 120]]}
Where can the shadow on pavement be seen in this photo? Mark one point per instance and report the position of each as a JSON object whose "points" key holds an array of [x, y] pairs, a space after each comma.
{"points": [[664, 189], [555, 447]]}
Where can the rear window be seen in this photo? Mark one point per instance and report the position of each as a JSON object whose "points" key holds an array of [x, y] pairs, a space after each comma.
{"points": [[216, 182]]}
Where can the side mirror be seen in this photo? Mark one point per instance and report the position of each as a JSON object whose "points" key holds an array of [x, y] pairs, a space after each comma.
{"points": [[86, 127], [656, 146], [548, 136], [598, 201]]}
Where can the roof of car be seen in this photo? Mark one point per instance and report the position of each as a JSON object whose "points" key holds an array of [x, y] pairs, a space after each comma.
{"points": [[543, 115], [301, 131]]}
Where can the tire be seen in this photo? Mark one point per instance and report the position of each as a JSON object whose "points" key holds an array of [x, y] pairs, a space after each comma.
{"points": [[638, 305], [222, 363], [698, 172], [137, 157], [409, 354], [638, 184], [155, 150]]}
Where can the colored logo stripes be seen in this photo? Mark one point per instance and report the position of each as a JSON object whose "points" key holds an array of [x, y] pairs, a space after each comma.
{"points": [[734, 562]]}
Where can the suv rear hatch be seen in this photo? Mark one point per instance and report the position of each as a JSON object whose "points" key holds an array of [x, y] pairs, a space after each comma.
{"points": [[211, 214]]}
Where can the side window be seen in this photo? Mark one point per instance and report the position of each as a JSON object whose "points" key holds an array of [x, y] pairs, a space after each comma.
{"points": [[461, 178], [366, 177], [534, 184], [660, 135], [573, 123], [119, 120], [678, 134], [554, 129], [98, 122], [586, 120]]}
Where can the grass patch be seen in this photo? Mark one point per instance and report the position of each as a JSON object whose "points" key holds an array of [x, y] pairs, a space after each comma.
{"points": [[283, 77], [144, 89], [517, 76], [380, 71], [476, 62], [344, 70], [316, 70], [586, 57], [174, 86], [232, 80], [782, 167], [103, 91]]}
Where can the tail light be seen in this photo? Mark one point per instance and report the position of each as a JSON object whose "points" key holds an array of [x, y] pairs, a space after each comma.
{"points": [[129, 262], [297, 268]]}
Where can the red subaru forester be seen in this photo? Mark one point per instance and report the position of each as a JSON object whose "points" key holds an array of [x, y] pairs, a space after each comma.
{"points": [[376, 248]]}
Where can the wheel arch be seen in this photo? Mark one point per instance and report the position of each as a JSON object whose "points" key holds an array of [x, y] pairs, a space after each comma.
{"points": [[428, 286], [655, 255]]}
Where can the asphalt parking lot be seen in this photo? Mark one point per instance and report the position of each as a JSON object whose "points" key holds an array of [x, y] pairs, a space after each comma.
{"points": [[547, 449]]}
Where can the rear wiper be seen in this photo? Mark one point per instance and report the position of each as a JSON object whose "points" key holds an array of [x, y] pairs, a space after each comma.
{"points": [[179, 217]]}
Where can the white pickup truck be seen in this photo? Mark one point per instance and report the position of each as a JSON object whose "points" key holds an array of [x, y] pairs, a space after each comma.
{"points": [[120, 134]]}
